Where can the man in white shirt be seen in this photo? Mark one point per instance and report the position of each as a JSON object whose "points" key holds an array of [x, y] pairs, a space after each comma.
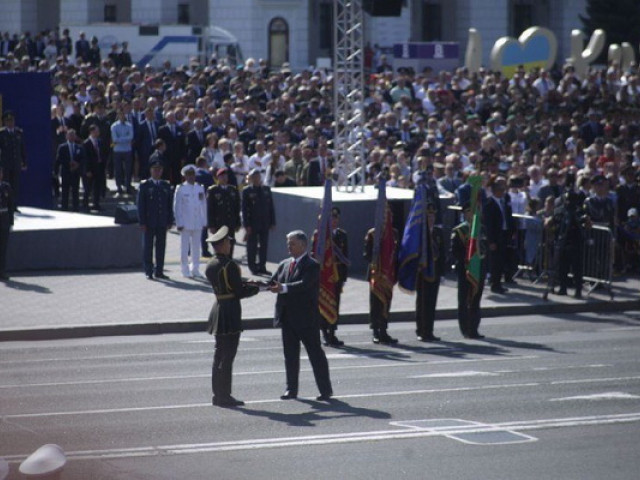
{"points": [[190, 212]]}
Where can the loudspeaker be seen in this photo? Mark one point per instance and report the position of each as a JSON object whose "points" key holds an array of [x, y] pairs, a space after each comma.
{"points": [[126, 214], [382, 8]]}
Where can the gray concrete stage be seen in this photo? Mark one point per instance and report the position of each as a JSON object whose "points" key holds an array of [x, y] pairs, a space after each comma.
{"points": [[51, 239], [299, 207]]}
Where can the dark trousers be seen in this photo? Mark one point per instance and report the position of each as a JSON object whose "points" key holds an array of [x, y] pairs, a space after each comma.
{"points": [[570, 260], [153, 236], [426, 298], [310, 338], [221, 372], [93, 187], [257, 243], [378, 313], [497, 260], [468, 309], [70, 183], [4, 241], [204, 246]]}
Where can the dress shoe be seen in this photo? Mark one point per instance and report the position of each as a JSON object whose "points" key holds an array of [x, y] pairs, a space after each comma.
{"points": [[264, 271], [288, 395], [475, 336], [229, 402], [386, 339], [333, 341], [162, 276], [578, 294], [149, 276], [562, 291], [428, 338], [499, 289], [4, 277], [198, 275], [325, 397]]}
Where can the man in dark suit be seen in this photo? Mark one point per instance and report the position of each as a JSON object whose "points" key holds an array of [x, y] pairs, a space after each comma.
{"points": [[94, 167], [146, 136], [173, 137], [155, 215], [500, 229], [223, 206], [225, 318], [297, 283], [69, 164], [258, 216], [195, 140]]}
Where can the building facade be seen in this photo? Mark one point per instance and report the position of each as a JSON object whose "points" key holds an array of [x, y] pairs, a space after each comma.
{"points": [[301, 31]]}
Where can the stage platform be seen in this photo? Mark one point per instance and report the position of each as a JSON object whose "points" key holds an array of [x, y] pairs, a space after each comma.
{"points": [[298, 208], [51, 240]]}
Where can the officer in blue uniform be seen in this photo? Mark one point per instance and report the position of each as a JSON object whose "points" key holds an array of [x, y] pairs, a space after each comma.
{"points": [[12, 157], [155, 215]]}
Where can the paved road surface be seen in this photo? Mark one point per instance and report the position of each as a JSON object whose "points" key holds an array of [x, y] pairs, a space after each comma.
{"points": [[542, 397]]}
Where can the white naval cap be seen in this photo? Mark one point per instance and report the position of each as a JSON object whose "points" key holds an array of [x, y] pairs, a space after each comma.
{"points": [[46, 462]]}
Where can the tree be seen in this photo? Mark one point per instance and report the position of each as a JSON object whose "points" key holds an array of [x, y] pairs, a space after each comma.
{"points": [[618, 18]]}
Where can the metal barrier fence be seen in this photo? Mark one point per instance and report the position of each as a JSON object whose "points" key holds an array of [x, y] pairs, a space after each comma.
{"points": [[598, 247], [535, 251]]}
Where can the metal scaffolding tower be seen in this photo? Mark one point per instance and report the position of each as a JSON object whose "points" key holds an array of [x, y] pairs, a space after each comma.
{"points": [[348, 68]]}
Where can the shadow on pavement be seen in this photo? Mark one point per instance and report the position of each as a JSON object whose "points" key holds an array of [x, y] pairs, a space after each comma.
{"points": [[26, 287], [308, 419]]}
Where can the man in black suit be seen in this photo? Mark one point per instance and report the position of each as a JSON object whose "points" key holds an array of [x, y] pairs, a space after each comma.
{"points": [[94, 167], [500, 229], [69, 162], [146, 136], [173, 137], [297, 283], [195, 140]]}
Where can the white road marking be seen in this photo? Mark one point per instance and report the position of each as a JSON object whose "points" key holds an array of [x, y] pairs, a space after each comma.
{"points": [[383, 435], [354, 395], [261, 372], [598, 396], [465, 373]]}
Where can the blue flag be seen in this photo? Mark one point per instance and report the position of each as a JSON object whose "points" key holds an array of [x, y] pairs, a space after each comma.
{"points": [[412, 251]]}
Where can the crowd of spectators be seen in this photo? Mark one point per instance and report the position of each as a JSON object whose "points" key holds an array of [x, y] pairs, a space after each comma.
{"points": [[533, 128]]}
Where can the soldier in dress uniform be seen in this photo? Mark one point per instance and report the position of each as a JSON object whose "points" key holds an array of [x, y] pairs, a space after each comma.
{"points": [[12, 153], [468, 306], [225, 318], [378, 314], [223, 206], [341, 255], [427, 287], [7, 207], [190, 213], [258, 217], [155, 214]]}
